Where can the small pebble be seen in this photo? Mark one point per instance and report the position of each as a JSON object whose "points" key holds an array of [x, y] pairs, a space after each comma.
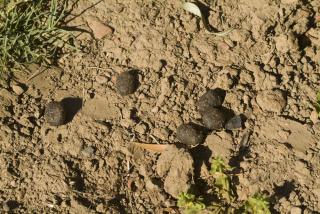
{"points": [[141, 128], [161, 133], [214, 118], [295, 210], [99, 29], [212, 98], [189, 134], [55, 114], [88, 151], [314, 116], [234, 123], [17, 89], [127, 83], [5, 207], [101, 79], [100, 208]]}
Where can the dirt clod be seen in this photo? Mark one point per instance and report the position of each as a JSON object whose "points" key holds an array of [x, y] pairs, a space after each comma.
{"points": [[212, 98], [214, 118], [189, 134], [55, 114], [221, 144], [127, 83], [271, 101], [176, 163]]}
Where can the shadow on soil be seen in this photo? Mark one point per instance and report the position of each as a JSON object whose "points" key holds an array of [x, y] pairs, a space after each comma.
{"points": [[72, 105]]}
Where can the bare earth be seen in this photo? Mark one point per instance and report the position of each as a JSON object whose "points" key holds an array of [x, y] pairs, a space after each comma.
{"points": [[268, 66]]}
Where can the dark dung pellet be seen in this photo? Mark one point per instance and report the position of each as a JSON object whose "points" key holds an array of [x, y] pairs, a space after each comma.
{"points": [[127, 82], [234, 123], [190, 134], [212, 98], [214, 118], [55, 114]]}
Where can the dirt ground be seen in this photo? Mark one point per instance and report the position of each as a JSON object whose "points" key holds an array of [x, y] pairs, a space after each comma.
{"points": [[268, 67]]}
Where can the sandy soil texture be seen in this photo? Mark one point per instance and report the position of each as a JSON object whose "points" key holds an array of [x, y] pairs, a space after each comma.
{"points": [[268, 67]]}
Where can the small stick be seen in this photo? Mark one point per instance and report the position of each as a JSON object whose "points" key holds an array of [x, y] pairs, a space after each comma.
{"points": [[36, 74], [98, 68], [128, 165], [154, 138]]}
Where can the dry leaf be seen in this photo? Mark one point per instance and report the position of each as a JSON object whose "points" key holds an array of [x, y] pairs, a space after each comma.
{"points": [[194, 9], [152, 147]]}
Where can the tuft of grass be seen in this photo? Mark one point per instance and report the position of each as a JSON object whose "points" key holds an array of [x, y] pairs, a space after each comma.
{"points": [[30, 32], [257, 204], [190, 203]]}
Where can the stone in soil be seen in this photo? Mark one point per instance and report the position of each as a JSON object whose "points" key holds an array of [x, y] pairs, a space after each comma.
{"points": [[88, 151], [295, 210], [17, 89], [99, 29], [55, 114], [214, 118], [212, 98], [127, 83], [190, 134]]}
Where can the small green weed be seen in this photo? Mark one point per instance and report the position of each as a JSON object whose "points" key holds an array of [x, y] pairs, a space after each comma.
{"points": [[190, 203], [30, 32], [227, 201], [257, 204], [218, 165], [222, 181]]}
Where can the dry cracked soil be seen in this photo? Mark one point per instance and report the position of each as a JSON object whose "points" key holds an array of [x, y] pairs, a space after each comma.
{"points": [[268, 67]]}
